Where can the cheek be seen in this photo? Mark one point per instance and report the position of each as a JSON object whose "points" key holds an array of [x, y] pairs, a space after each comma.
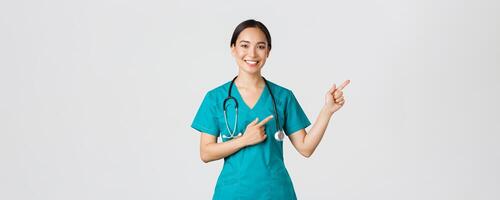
{"points": [[263, 55], [238, 54], [263, 52], [242, 53], [235, 52]]}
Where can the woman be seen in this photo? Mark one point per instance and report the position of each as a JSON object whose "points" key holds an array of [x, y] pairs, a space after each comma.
{"points": [[252, 148]]}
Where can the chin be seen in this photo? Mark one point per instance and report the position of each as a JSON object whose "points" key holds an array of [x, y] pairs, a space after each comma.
{"points": [[252, 71]]}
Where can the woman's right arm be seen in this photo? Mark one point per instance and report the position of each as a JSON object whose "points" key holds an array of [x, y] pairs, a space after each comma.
{"points": [[210, 150]]}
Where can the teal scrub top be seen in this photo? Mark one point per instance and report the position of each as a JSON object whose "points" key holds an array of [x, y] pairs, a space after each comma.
{"points": [[258, 171]]}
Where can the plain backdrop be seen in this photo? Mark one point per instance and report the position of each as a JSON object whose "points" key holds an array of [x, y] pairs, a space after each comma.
{"points": [[97, 97]]}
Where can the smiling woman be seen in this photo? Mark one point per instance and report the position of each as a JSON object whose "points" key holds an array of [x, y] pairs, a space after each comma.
{"points": [[253, 162], [250, 45]]}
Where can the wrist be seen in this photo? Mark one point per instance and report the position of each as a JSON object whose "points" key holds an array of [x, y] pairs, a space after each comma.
{"points": [[327, 111], [241, 142]]}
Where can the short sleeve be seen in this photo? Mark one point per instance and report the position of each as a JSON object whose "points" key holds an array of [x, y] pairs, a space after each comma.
{"points": [[295, 118], [205, 119]]}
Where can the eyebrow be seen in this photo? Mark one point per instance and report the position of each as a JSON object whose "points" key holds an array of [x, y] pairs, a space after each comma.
{"points": [[249, 42]]}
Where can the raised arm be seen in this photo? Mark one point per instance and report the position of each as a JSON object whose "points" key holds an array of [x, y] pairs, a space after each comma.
{"points": [[305, 143], [210, 150]]}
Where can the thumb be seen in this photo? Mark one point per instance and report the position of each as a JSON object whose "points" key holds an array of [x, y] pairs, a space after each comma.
{"points": [[254, 122], [332, 89]]}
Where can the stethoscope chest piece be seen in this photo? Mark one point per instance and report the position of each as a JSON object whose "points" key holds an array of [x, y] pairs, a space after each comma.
{"points": [[279, 135]]}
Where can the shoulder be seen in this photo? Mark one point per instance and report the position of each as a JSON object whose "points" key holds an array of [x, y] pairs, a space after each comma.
{"points": [[279, 90], [219, 91]]}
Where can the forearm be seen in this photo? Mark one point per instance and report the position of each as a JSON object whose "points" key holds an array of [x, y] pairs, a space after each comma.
{"points": [[215, 151], [313, 138]]}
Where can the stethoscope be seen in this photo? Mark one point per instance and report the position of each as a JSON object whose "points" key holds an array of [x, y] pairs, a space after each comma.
{"points": [[278, 135]]}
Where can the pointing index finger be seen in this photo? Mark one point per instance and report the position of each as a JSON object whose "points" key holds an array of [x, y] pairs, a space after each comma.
{"points": [[345, 83], [263, 122]]}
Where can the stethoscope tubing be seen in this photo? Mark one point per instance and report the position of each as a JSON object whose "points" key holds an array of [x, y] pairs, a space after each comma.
{"points": [[229, 97]]}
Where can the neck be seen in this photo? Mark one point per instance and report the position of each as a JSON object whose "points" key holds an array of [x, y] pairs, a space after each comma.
{"points": [[249, 80]]}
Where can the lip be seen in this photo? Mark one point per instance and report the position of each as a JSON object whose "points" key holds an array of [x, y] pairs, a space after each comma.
{"points": [[252, 63]]}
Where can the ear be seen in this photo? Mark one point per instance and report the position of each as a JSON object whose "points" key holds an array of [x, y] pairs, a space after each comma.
{"points": [[268, 53], [233, 50]]}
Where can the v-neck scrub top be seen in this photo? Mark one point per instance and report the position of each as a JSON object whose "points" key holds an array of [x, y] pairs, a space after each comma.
{"points": [[257, 171]]}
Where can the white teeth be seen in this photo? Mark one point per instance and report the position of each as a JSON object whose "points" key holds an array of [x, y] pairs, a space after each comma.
{"points": [[251, 62]]}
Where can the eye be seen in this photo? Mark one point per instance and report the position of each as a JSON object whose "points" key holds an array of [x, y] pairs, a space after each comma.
{"points": [[262, 46], [244, 45]]}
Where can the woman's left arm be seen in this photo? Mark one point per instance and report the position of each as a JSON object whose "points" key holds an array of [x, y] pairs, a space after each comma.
{"points": [[306, 143]]}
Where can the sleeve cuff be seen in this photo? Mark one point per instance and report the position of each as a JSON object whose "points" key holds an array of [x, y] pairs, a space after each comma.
{"points": [[293, 130], [204, 129]]}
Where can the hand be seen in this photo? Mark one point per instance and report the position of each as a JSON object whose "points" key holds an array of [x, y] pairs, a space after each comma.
{"points": [[254, 132], [334, 99]]}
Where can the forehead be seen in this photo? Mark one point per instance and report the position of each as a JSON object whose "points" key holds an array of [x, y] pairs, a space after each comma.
{"points": [[253, 35]]}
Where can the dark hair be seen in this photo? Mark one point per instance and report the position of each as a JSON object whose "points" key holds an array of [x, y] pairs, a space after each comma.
{"points": [[250, 24]]}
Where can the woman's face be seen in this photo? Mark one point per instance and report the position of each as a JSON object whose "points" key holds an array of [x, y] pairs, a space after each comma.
{"points": [[251, 50]]}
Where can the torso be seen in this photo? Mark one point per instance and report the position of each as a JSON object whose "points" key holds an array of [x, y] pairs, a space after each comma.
{"points": [[250, 95], [257, 171]]}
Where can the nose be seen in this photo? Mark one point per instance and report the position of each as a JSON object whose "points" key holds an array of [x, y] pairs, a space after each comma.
{"points": [[251, 53]]}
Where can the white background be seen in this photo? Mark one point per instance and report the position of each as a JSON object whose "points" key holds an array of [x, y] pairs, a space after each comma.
{"points": [[97, 97]]}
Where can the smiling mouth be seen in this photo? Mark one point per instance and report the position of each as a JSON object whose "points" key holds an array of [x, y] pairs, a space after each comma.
{"points": [[251, 62]]}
